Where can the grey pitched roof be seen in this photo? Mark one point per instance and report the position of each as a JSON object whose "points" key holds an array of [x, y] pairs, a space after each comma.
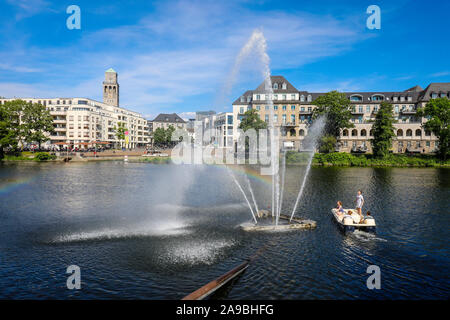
{"points": [[415, 88], [435, 87], [277, 85], [169, 118], [416, 93]]}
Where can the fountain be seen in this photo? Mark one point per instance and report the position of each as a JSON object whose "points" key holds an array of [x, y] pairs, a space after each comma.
{"points": [[257, 44]]}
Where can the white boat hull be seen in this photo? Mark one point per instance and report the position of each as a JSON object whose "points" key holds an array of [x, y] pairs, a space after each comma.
{"points": [[348, 221]]}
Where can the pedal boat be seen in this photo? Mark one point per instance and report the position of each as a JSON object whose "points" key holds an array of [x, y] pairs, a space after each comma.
{"points": [[348, 221]]}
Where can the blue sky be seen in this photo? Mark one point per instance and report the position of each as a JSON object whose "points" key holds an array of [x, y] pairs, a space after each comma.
{"points": [[175, 56]]}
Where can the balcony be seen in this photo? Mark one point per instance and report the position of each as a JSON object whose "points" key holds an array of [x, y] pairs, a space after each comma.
{"points": [[357, 111], [58, 113], [60, 129], [288, 124], [408, 111], [305, 112]]}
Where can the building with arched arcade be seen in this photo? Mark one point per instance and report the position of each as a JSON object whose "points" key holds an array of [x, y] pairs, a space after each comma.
{"points": [[293, 111]]}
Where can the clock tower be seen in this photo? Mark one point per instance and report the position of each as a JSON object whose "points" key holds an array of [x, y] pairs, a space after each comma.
{"points": [[111, 88]]}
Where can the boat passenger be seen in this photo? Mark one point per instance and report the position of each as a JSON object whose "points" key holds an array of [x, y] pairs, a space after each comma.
{"points": [[340, 209], [368, 216], [359, 203]]}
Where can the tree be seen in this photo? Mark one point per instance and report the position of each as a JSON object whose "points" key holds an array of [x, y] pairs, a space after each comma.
{"points": [[336, 107], [327, 144], [168, 132], [37, 123], [383, 130], [120, 131], [251, 120], [159, 136], [7, 133], [437, 111]]}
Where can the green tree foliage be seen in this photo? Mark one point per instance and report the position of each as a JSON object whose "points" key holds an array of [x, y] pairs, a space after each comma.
{"points": [[327, 144], [7, 133], [251, 120], [336, 107], [383, 130], [163, 137], [37, 123], [437, 112], [120, 130]]}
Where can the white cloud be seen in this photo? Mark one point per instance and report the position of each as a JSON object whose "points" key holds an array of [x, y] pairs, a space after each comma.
{"points": [[440, 74], [28, 8], [179, 53]]}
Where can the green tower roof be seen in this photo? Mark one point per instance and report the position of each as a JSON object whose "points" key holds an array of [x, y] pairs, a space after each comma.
{"points": [[111, 70]]}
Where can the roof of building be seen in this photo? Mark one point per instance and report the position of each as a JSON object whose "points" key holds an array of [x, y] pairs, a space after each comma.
{"points": [[279, 85], [415, 94], [435, 87], [168, 117], [111, 70]]}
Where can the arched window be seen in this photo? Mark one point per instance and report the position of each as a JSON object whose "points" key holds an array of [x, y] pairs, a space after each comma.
{"points": [[345, 133], [418, 133], [301, 132], [292, 133], [363, 132], [356, 97], [409, 133], [284, 86], [275, 85], [399, 133], [105, 89], [371, 133], [354, 133]]}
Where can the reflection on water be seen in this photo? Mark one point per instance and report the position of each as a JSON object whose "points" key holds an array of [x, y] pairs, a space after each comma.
{"points": [[161, 231]]}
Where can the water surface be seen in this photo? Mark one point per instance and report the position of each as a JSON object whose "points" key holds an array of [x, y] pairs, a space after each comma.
{"points": [[161, 231]]}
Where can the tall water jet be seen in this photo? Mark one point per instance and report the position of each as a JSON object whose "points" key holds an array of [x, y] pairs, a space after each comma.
{"points": [[243, 193], [252, 194], [309, 145], [257, 44]]}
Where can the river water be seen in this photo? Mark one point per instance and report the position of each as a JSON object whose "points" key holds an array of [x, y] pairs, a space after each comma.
{"points": [[161, 231]]}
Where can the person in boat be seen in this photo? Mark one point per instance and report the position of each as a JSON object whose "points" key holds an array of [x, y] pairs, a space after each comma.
{"points": [[359, 204], [340, 208], [368, 216]]}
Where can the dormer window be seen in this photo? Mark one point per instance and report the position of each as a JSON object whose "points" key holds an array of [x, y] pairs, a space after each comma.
{"points": [[434, 95], [248, 99], [356, 98], [302, 98], [402, 98], [275, 86], [395, 98], [378, 97], [443, 95], [242, 99], [309, 98], [284, 86]]}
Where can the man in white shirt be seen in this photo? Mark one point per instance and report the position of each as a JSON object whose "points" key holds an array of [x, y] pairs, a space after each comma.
{"points": [[359, 203]]}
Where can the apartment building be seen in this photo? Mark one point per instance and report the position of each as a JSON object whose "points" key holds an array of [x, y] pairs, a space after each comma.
{"points": [[82, 121], [218, 129], [293, 111]]}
